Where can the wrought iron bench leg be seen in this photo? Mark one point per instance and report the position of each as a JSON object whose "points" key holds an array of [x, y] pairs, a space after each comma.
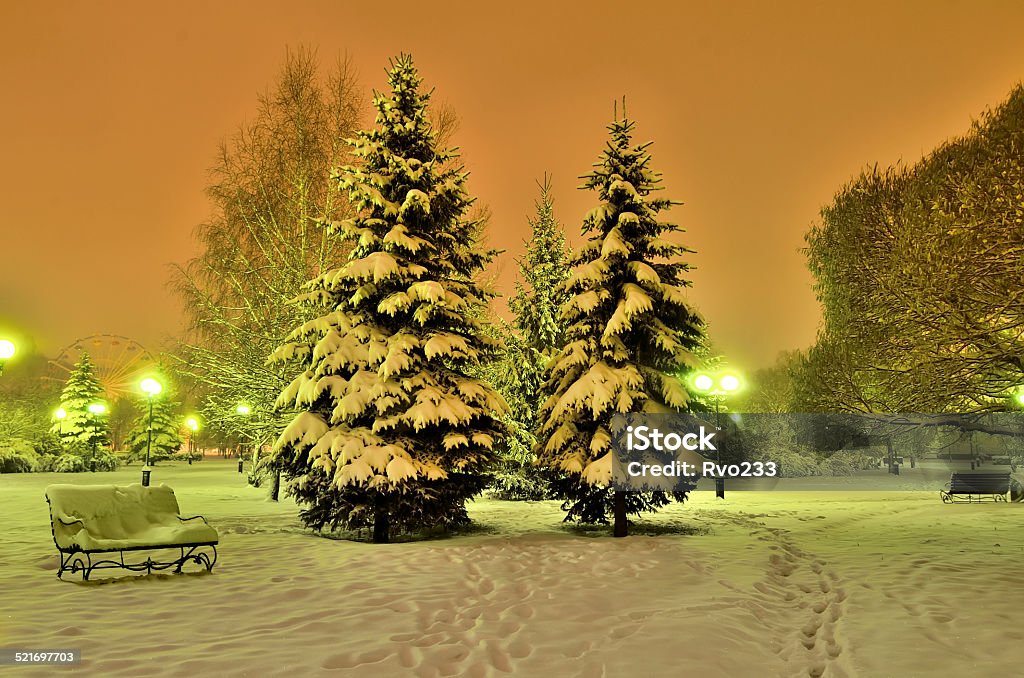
{"points": [[78, 561], [198, 557]]}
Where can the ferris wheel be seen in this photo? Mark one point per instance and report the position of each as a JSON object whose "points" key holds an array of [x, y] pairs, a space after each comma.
{"points": [[120, 362]]}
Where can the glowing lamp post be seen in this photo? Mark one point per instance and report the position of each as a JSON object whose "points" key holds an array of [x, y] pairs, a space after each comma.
{"points": [[718, 387], [7, 351], [96, 409], [193, 425], [60, 415], [151, 387], [243, 410]]}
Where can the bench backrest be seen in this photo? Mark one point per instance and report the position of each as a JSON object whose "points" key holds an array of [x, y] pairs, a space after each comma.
{"points": [[108, 511], [979, 483]]}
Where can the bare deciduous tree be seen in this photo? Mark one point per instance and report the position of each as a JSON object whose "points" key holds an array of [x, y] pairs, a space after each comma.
{"points": [[271, 195]]}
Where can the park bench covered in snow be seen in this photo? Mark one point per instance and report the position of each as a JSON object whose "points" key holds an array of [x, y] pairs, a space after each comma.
{"points": [[976, 487], [93, 520]]}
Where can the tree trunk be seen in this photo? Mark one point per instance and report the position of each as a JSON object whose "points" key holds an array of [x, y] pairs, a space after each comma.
{"points": [[621, 526], [275, 491], [380, 528]]}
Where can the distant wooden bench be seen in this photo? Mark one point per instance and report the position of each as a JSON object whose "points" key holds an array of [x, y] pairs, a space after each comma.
{"points": [[90, 520], [976, 487]]}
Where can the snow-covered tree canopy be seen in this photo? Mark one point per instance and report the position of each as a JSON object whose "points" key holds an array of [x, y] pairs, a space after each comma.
{"points": [[631, 335], [387, 404], [918, 270]]}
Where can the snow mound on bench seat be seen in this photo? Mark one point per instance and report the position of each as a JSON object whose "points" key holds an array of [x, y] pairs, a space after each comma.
{"points": [[117, 517]]}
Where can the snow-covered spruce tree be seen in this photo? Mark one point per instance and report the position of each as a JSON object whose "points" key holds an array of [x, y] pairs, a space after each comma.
{"points": [[631, 335], [81, 430], [539, 297], [167, 425], [535, 335], [392, 431]]}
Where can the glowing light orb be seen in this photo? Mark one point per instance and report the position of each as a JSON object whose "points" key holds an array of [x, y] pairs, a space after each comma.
{"points": [[151, 386], [729, 382]]}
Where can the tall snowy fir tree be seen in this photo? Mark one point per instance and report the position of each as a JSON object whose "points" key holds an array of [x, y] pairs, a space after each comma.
{"points": [[539, 297], [81, 430], [392, 431], [631, 336], [167, 428], [535, 336]]}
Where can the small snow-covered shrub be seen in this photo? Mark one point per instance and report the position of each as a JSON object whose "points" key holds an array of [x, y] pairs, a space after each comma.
{"points": [[18, 446], [69, 463], [514, 481], [14, 462], [47, 444], [102, 461], [183, 456], [793, 462], [17, 456], [799, 462], [44, 463], [837, 464]]}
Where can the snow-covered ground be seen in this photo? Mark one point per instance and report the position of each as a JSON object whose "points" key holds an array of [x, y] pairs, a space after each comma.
{"points": [[833, 583]]}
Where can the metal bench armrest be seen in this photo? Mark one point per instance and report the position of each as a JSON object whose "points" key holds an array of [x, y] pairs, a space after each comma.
{"points": [[70, 522]]}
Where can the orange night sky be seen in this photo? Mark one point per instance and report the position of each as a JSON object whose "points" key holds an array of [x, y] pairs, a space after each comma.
{"points": [[759, 111]]}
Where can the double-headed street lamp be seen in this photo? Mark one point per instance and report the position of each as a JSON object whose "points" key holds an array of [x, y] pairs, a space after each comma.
{"points": [[718, 386], [243, 410], [151, 387], [7, 351], [192, 424]]}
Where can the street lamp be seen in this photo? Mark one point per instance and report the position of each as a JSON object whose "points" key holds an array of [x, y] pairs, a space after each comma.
{"points": [[717, 386], [96, 409], [60, 414], [7, 351], [193, 425], [243, 410], [151, 387]]}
